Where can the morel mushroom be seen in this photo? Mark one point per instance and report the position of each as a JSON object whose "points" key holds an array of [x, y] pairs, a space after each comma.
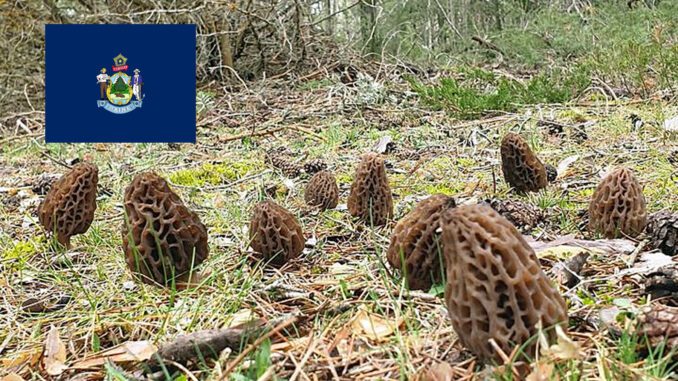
{"points": [[495, 288], [322, 191], [162, 239], [415, 243], [370, 198], [521, 167], [275, 233], [68, 209], [618, 206]]}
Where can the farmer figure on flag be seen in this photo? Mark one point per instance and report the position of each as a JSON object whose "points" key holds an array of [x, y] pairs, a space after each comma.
{"points": [[102, 80], [137, 84]]}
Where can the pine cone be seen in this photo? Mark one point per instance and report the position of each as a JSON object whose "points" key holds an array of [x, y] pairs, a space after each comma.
{"points": [[551, 173], [673, 157], [579, 134], [289, 168], [43, 183], [280, 157], [314, 166], [662, 228], [523, 216], [407, 154]]}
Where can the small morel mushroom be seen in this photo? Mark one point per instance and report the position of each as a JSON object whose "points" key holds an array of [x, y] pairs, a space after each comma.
{"points": [[275, 233], [162, 239], [415, 243], [322, 191], [662, 228], [495, 288], [68, 209], [618, 206], [521, 167], [314, 166], [370, 198]]}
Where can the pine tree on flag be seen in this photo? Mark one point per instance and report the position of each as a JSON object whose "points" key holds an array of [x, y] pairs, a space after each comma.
{"points": [[120, 87]]}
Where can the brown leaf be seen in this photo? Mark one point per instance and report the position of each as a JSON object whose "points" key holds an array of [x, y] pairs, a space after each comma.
{"points": [[54, 356], [542, 372], [372, 326], [564, 349], [12, 377], [436, 372], [131, 351], [30, 358]]}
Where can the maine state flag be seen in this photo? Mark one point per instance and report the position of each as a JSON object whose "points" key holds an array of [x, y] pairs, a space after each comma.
{"points": [[120, 83]]}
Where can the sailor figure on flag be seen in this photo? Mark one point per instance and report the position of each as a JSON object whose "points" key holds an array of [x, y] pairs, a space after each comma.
{"points": [[137, 84]]}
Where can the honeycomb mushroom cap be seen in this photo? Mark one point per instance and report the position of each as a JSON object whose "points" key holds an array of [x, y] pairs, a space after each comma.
{"points": [[521, 167], [322, 191], [370, 198], [618, 206], [415, 243], [69, 206], [275, 233], [162, 239], [495, 286]]}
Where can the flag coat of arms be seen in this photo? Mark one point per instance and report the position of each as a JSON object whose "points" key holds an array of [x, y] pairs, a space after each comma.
{"points": [[120, 83]]}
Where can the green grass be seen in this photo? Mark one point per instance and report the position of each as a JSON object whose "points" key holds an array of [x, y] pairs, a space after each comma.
{"points": [[482, 92]]}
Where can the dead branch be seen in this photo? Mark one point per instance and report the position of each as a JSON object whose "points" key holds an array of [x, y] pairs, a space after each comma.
{"points": [[210, 343]]}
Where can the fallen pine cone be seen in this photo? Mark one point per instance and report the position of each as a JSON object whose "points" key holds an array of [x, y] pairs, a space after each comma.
{"points": [[659, 323]]}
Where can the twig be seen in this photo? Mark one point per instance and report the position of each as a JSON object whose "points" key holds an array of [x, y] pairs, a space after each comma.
{"points": [[252, 134], [634, 254], [17, 137], [254, 345]]}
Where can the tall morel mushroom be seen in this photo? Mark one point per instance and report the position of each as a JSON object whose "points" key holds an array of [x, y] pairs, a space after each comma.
{"points": [[370, 198], [68, 208], [495, 288], [162, 239], [521, 167], [415, 243], [322, 191], [618, 206], [275, 233]]}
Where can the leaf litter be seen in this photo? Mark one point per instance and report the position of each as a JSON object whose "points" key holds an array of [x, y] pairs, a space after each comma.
{"points": [[352, 317]]}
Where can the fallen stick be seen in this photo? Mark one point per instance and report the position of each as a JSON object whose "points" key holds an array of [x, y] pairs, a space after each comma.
{"points": [[238, 360], [251, 134], [209, 343]]}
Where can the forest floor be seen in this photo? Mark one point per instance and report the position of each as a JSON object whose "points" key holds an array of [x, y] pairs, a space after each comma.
{"points": [[353, 318]]}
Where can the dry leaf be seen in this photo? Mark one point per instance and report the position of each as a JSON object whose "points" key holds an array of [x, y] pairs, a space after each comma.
{"points": [[436, 372], [671, 125], [54, 356], [29, 358], [561, 252], [373, 326], [542, 372], [564, 348], [131, 351], [240, 317], [12, 377], [565, 164]]}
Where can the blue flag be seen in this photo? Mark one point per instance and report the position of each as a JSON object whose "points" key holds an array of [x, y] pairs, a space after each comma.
{"points": [[120, 83]]}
